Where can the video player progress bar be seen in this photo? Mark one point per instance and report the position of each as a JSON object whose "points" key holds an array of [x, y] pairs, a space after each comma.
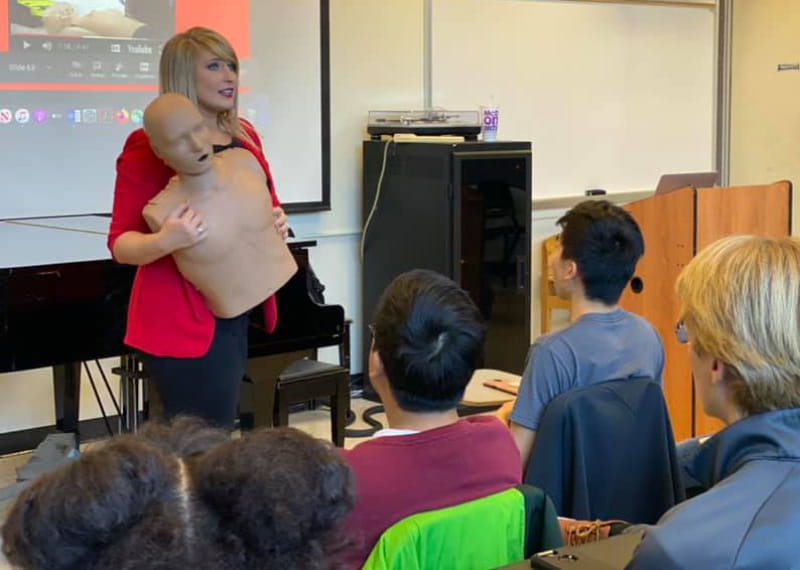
{"points": [[77, 87]]}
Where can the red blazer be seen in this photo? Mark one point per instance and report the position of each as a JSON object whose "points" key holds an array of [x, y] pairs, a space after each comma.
{"points": [[167, 315]]}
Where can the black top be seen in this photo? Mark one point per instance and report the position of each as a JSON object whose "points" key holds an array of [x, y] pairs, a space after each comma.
{"points": [[235, 143]]}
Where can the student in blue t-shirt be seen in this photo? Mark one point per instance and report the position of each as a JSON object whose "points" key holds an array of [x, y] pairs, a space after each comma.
{"points": [[600, 244]]}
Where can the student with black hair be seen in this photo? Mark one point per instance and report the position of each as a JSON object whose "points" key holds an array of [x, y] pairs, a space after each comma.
{"points": [[427, 336], [599, 246]]}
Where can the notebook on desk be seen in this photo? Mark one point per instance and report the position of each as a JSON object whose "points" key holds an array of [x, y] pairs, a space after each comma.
{"points": [[612, 553]]}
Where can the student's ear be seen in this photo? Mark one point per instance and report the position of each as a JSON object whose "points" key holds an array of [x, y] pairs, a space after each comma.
{"points": [[717, 372], [570, 269], [376, 369]]}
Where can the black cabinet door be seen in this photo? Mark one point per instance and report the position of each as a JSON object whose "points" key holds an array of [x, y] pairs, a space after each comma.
{"points": [[463, 210]]}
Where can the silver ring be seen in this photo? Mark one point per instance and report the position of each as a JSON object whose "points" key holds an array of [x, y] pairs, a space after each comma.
{"points": [[201, 229]]}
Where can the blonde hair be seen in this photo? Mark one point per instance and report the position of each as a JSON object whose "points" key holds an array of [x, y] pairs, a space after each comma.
{"points": [[741, 298], [177, 69]]}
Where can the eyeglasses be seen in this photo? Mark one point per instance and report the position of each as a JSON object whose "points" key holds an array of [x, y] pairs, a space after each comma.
{"points": [[680, 333]]}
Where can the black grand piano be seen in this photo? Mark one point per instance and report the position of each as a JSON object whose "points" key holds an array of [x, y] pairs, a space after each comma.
{"points": [[62, 314]]}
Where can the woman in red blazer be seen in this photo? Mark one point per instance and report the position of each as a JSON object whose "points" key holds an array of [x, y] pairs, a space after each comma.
{"points": [[196, 360]]}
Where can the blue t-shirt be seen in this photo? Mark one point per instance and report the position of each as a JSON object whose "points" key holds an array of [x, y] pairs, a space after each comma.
{"points": [[595, 348]]}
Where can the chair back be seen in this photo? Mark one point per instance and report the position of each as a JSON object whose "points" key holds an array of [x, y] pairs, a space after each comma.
{"points": [[606, 451], [548, 300], [483, 533]]}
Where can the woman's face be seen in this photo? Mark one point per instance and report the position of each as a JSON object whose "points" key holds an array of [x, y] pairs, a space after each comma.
{"points": [[216, 83]]}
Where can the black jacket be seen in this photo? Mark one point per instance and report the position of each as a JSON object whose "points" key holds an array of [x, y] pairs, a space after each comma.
{"points": [[606, 451]]}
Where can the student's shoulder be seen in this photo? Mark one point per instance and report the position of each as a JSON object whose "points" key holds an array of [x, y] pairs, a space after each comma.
{"points": [[647, 328], [669, 545], [634, 318], [483, 424], [558, 341], [372, 447]]}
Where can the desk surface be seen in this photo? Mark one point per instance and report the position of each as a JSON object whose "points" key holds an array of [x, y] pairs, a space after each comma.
{"points": [[478, 395], [47, 241]]}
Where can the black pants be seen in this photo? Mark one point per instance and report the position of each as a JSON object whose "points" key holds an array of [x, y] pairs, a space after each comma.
{"points": [[207, 387]]}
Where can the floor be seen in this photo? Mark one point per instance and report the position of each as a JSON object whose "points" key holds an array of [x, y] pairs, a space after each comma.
{"points": [[316, 423]]}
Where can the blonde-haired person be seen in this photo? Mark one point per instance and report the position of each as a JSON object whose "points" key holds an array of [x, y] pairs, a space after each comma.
{"points": [[741, 319], [196, 360]]}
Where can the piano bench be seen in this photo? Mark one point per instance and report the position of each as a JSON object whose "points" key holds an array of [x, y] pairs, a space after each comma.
{"points": [[306, 380]]}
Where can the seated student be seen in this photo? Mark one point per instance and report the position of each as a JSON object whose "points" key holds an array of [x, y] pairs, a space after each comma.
{"points": [[740, 298], [600, 244], [427, 338], [186, 497]]}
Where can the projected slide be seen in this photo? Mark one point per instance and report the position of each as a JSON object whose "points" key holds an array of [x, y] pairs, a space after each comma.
{"points": [[76, 75]]}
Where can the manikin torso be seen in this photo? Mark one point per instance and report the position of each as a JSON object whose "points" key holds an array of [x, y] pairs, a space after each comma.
{"points": [[243, 259]]}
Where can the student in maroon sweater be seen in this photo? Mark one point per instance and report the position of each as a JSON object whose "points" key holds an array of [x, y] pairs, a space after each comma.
{"points": [[427, 336]]}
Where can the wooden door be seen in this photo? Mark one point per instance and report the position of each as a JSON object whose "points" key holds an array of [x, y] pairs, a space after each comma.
{"points": [[667, 224]]}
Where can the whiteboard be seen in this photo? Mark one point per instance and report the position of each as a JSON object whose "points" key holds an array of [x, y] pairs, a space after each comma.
{"points": [[288, 97], [68, 102], [611, 96]]}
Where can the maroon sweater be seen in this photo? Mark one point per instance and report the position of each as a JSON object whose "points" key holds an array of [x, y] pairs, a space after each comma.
{"points": [[397, 476]]}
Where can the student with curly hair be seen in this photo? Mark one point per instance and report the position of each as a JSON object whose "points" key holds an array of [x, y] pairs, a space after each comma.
{"points": [[184, 496]]}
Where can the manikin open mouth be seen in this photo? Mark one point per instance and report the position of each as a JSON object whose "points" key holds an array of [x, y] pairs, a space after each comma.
{"points": [[202, 158]]}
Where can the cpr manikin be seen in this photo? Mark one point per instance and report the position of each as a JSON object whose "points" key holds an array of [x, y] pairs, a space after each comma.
{"points": [[239, 259]]}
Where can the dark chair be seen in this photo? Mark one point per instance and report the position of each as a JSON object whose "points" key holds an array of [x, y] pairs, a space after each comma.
{"points": [[309, 380], [606, 451]]}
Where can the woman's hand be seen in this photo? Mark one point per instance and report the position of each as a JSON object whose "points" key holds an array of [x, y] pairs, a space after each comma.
{"points": [[281, 222], [183, 228]]}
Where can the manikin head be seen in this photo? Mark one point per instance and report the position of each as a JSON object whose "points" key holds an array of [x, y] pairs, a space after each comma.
{"points": [[178, 134]]}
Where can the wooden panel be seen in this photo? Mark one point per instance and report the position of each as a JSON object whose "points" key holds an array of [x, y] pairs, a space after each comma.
{"points": [[667, 223], [757, 210]]}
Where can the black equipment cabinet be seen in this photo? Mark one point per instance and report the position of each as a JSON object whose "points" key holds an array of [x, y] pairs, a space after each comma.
{"points": [[464, 210]]}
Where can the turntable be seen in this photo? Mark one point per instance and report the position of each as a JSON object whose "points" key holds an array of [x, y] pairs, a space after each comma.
{"points": [[424, 123]]}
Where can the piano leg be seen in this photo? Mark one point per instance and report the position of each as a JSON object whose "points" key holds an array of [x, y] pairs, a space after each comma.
{"points": [[67, 391]]}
